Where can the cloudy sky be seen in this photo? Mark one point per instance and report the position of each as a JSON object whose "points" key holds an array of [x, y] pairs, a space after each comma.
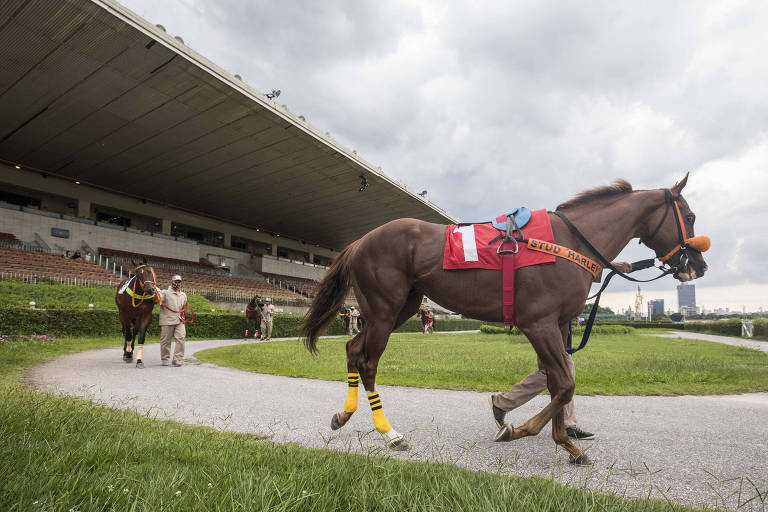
{"points": [[493, 105]]}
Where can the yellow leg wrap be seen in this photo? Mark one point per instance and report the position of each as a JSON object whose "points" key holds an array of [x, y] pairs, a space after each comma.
{"points": [[380, 420], [350, 404]]}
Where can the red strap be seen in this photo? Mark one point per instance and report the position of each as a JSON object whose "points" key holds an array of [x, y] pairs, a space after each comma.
{"points": [[508, 287]]}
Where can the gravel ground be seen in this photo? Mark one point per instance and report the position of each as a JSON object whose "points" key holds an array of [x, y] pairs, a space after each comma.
{"points": [[698, 450]]}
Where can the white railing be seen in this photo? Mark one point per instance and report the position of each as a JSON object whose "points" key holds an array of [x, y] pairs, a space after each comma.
{"points": [[30, 277]]}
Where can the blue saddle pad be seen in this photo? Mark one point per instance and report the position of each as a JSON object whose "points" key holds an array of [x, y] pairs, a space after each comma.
{"points": [[522, 216]]}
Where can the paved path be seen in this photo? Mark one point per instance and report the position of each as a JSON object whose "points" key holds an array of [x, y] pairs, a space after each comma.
{"points": [[690, 449]]}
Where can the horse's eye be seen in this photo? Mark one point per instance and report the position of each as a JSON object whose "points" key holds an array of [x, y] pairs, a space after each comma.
{"points": [[690, 218]]}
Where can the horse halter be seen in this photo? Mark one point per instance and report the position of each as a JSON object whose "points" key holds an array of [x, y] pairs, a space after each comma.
{"points": [[143, 286], [698, 243]]}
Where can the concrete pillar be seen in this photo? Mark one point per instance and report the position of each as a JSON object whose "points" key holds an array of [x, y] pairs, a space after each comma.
{"points": [[311, 257], [274, 249], [165, 227], [227, 239], [84, 208]]}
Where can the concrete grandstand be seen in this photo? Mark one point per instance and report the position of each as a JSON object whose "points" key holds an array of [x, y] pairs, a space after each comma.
{"points": [[117, 140]]}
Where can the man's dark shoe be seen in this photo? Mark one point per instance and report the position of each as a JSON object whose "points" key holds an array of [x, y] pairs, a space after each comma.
{"points": [[578, 434], [498, 414], [504, 434]]}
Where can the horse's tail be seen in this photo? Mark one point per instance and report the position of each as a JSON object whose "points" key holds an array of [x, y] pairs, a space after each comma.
{"points": [[329, 298]]}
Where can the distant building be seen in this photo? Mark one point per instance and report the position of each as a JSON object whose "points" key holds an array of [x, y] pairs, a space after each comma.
{"points": [[656, 308], [689, 311], [686, 296]]}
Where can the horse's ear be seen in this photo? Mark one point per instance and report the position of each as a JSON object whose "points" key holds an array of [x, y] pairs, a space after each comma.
{"points": [[679, 186], [133, 262], [144, 258]]}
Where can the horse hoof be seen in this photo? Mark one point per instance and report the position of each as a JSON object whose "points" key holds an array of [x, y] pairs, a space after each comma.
{"points": [[504, 434], [139, 364], [398, 445], [335, 425], [581, 460]]}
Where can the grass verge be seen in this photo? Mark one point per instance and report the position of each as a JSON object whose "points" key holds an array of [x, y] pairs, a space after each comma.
{"points": [[63, 453], [627, 364]]}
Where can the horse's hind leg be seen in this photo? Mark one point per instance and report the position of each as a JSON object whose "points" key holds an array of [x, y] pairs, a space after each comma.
{"points": [[353, 380], [355, 354], [377, 334]]}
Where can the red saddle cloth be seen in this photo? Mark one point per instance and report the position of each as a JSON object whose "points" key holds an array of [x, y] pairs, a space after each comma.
{"points": [[467, 246]]}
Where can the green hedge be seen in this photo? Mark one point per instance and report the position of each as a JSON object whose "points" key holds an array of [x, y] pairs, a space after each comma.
{"points": [[730, 327], [441, 324], [215, 325], [106, 323], [639, 324], [52, 295], [596, 329]]}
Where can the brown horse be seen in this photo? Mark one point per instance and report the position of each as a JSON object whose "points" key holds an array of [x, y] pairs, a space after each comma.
{"points": [[392, 267], [253, 317], [135, 299]]}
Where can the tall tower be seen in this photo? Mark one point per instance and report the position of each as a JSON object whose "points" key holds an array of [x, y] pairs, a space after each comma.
{"points": [[638, 306], [686, 298]]}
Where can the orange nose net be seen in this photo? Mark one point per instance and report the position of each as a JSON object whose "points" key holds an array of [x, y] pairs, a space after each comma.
{"points": [[700, 243]]}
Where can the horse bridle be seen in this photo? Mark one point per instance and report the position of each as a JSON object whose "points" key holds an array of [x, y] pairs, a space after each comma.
{"points": [[143, 284], [683, 241]]}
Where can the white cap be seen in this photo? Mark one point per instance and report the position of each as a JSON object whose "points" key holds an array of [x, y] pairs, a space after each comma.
{"points": [[177, 277], [268, 299]]}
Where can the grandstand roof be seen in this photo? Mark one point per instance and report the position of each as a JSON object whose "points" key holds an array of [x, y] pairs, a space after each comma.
{"points": [[89, 91]]}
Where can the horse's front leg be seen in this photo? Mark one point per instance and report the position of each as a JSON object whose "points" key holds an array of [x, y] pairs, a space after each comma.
{"points": [[127, 349], [142, 331], [548, 343]]}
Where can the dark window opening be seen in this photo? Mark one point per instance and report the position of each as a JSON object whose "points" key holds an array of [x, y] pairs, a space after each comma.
{"points": [[111, 218], [9, 197]]}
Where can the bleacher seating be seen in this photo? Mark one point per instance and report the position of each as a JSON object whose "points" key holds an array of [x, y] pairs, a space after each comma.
{"points": [[158, 261], [200, 282], [306, 287], [200, 277], [9, 237], [49, 264]]}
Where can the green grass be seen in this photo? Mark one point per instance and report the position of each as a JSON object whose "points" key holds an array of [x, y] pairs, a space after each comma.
{"points": [[61, 296], [62, 453], [628, 364]]}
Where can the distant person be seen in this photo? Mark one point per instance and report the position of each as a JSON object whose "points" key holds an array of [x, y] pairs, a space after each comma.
{"points": [[344, 314], [171, 324], [354, 314], [430, 320], [260, 305], [88, 257], [266, 319], [76, 255]]}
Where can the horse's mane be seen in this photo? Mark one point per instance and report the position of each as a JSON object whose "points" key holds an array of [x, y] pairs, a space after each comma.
{"points": [[618, 187]]}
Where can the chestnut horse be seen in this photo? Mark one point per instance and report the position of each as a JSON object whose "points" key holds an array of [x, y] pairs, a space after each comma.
{"points": [[253, 317], [135, 299], [392, 267]]}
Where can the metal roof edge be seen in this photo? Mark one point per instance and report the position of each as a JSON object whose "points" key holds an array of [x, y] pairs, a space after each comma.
{"points": [[229, 79]]}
